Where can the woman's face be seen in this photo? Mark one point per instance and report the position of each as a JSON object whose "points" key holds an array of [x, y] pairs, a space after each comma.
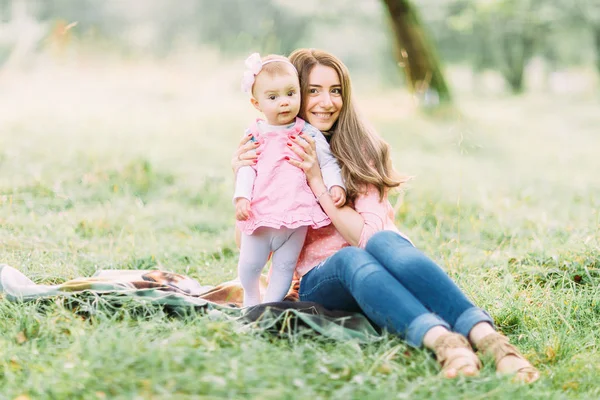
{"points": [[324, 100]]}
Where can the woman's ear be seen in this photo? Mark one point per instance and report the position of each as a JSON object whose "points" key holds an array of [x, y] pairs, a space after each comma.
{"points": [[255, 103]]}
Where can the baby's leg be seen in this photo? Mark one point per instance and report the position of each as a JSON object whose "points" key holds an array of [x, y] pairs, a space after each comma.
{"points": [[286, 245], [254, 253]]}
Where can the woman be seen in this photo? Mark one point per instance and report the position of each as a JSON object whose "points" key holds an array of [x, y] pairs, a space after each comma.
{"points": [[362, 262]]}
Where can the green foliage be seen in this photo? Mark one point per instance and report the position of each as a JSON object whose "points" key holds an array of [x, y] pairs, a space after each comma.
{"points": [[506, 34], [238, 26], [502, 35], [233, 26]]}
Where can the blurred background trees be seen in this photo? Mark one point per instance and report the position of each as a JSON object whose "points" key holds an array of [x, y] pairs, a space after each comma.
{"points": [[504, 36]]}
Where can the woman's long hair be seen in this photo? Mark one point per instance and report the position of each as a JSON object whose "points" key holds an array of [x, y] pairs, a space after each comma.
{"points": [[363, 155]]}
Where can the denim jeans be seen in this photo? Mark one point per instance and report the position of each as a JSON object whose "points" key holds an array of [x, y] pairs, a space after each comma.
{"points": [[395, 285]]}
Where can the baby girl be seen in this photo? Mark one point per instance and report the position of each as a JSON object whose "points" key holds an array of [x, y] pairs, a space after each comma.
{"points": [[274, 205]]}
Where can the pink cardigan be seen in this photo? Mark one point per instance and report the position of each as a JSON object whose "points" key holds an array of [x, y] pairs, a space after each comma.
{"points": [[324, 242]]}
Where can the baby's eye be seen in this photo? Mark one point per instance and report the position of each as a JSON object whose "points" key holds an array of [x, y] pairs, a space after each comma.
{"points": [[272, 97], [291, 93]]}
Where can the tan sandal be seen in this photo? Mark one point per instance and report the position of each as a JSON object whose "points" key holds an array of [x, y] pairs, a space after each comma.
{"points": [[497, 346], [461, 358]]}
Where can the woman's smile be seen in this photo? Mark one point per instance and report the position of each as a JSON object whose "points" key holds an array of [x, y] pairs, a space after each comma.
{"points": [[324, 99]]}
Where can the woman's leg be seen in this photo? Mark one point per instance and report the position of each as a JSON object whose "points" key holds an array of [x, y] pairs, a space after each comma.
{"points": [[353, 280], [426, 281], [434, 288]]}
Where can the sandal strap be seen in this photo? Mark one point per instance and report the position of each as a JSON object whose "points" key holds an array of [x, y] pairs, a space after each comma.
{"points": [[498, 346], [529, 369], [453, 340]]}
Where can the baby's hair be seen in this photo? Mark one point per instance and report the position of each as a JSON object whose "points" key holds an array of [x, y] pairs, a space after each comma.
{"points": [[273, 67]]}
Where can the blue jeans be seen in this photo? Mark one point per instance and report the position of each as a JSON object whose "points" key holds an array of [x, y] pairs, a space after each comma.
{"points": [[395, 285]]}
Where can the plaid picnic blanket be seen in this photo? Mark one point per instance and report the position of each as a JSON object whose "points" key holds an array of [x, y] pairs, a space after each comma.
{"points": [[179, 293]]}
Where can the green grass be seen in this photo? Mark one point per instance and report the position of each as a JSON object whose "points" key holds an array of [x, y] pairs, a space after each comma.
{"points": [[127, 166]]}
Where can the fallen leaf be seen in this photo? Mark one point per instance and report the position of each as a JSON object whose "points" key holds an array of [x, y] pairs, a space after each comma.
{"points": [[14, 363], [571, 385], [384, 368], [21, 338]]}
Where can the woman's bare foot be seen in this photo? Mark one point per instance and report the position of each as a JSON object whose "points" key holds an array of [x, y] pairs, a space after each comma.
{"points": [[521, 368]]}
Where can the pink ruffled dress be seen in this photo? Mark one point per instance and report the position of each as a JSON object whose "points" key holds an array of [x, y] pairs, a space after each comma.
{"points": [[281, 196]]}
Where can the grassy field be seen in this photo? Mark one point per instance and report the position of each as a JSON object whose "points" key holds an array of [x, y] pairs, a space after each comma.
{"points": [[119, 165]]}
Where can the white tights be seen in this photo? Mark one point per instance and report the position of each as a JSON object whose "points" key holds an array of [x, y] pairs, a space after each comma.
{"points": [[285, 244]]}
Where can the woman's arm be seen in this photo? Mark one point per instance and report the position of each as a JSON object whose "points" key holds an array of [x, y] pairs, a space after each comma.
{"points": [[346, 220], [356, 225]]}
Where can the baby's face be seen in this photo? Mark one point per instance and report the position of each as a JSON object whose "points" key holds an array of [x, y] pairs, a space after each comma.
{"points": [[277, 97]]}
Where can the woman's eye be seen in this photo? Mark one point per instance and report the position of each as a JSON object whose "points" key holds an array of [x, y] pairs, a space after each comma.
{"points": [[312, 91], [336, 91]]}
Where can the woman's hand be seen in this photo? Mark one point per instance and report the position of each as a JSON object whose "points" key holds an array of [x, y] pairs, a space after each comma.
{"points": [[244, 155], [305, 147]]}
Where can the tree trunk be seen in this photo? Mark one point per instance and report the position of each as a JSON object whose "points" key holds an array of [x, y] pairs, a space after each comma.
{"points": [[596, 31], [514, 63], [518, 49], [415, 51]]}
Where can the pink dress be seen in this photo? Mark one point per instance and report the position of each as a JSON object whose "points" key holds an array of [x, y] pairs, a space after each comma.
{"points": [[281, 196]]}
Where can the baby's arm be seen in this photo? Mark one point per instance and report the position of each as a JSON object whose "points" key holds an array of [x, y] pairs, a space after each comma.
{"points": [[332, 174], [338, 195], [244, 183], [243, 192]]}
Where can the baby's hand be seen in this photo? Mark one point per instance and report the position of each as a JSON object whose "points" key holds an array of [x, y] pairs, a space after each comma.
{"points": [[242, 208], [338, 195]]}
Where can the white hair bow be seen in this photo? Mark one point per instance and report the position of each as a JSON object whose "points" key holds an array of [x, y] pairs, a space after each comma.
{"points": [[253, 67]]}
